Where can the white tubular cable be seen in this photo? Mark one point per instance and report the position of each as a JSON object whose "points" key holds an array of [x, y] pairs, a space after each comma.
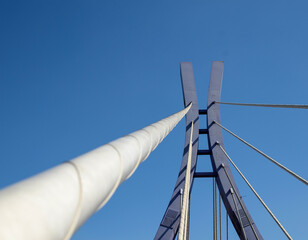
{"points": [[54, 204], [266, 156], [184, 211]]}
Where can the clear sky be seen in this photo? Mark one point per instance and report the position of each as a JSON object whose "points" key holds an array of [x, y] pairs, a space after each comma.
{"points": [[75, 75]]}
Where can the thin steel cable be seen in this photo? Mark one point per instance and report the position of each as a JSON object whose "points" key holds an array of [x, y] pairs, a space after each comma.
{"points": [[301, 106], [181, 202], [188, 220], [188, 192], [219, 217], [266, 156], [188, 184], [227, 230], [184, 213], [238, 213], [238, 198], [216, 230], [213, 208], [257, 195]]}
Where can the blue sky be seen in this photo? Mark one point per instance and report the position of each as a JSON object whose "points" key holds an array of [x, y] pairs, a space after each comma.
{"points": [[75, 75]]}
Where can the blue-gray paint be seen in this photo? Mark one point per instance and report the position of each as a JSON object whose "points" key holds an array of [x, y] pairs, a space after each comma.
{"points": [[169, 225], [218, 157]]}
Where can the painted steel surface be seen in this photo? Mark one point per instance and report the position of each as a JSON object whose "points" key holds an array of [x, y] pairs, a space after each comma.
{"points": [[218, 158], [170, 223], [54, 204]]}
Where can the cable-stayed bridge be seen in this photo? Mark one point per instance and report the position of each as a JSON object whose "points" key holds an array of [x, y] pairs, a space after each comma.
{"points": [[55, 203]]}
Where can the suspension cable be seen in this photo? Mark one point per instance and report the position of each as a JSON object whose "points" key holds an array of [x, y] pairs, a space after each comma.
{"points": [[188, 220], [214, 227], [216, 224], [219, 217], [266, 156], [238, 198], [227, 230], [187, 215], [267, 105], [184, 210], [257, 195]]}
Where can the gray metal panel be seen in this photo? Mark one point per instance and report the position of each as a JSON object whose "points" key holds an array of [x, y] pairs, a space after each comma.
{"points": [[218, 157], [169, 226]]}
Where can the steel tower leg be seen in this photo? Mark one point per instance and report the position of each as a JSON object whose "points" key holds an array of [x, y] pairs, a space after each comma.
{"points": [[169, 225], [225, 180]]}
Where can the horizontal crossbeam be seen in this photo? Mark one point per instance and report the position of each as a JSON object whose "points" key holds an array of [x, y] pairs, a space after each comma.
{"points": [[205, 174], [202, 111], [203, 131], [204, 152]]}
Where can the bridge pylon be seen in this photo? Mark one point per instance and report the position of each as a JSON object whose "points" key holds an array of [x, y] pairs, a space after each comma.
{"points": [[230, 195]]}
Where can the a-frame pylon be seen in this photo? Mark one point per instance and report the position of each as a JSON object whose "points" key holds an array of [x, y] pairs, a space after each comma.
{"points": [[234, 204]]}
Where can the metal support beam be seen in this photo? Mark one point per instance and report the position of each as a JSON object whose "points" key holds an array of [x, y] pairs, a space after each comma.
{"points": [[218, 159], [203, 131], [169, 225], [205, 174], [202, 112], [204, 152]]}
